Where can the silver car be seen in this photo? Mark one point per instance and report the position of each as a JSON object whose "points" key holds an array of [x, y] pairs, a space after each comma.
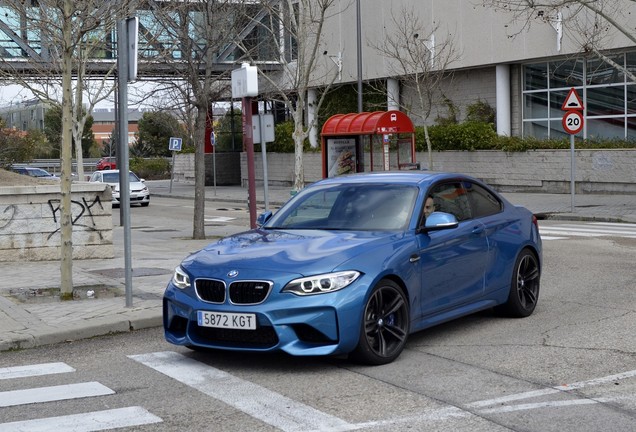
{"points": [[139, 193]]}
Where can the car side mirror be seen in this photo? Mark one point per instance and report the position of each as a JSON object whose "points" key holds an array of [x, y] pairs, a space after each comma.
{"points": [[263, 218], [440, 221]]}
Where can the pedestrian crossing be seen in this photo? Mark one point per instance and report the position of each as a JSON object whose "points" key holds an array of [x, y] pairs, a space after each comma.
{"points": [[588, 229], [272, 408], [77, 422]]}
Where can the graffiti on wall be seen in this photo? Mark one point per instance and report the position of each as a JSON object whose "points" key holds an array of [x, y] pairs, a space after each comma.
{"points": [[82, 214], [7, 216]]}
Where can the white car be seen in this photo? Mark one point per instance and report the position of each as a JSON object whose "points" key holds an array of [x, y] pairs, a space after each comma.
{"points": [[139, 193]]}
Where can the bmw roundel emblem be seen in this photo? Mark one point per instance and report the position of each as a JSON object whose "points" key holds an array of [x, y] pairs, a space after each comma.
{"points": [[232, 273]]}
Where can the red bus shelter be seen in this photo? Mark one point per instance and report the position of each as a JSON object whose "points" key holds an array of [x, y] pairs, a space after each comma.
{"points": [[368, 141]]}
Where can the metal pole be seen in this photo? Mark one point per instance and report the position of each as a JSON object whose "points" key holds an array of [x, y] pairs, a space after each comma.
{"points": [[124, 181], [172, 172], [572, 172], [359, 48], [248, 142], [261, 120]]}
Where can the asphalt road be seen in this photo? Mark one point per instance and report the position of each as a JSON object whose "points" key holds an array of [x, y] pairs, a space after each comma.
{"points": [[571, 366]]}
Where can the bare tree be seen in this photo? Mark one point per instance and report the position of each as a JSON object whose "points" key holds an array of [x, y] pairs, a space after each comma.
{"points": [[296, 30], [591, 22], [186, 38], [64, 31], [419, 60]]}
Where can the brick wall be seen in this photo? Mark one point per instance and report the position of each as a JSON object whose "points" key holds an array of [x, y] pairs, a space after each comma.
{"points": [[30, 222]]}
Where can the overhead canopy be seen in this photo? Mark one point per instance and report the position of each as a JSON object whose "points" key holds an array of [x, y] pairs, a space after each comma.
{"points": [[368, 123]]}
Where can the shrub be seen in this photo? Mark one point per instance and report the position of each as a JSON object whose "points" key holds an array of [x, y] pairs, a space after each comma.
{"points": [[150, 169]]}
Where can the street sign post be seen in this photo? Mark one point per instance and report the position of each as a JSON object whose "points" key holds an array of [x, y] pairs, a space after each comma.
{"points": [[572, 123], [174, 145]]}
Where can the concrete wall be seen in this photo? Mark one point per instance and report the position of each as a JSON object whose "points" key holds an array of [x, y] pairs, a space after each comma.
{"points": [[228, 168], [597, 171], [30, 222]]}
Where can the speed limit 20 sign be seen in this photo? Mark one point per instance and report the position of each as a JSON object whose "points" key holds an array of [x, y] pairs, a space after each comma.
{"points": [[573, 118], [572, 122]]}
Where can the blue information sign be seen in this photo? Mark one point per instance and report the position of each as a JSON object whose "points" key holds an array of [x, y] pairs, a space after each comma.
{"points": [[175, 144]]}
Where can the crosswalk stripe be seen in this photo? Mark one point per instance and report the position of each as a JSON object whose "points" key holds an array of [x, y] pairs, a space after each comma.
{"points": [[261, 403], [34, 370], [586, 229], [91, 421], [53, 393]]}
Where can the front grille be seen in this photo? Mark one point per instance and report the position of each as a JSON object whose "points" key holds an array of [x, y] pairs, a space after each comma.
{"points": [[262, 337], [210, 290], [249, 292]]}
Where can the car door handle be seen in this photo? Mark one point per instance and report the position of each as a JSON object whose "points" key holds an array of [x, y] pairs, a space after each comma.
{"points": [[414, 258], [478, 230]]}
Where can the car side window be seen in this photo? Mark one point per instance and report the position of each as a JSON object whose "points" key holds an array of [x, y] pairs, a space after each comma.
{"points": [[451, 198], [482, 201]]}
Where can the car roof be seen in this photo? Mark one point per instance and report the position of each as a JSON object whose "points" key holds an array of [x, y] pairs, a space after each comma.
{"points": [[402, 177]]}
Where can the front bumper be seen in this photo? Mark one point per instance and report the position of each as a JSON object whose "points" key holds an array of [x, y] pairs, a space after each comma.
{"points": [[314, 325]]}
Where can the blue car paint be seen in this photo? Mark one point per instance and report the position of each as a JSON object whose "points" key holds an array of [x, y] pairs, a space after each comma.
{"points": [[280, 256]]}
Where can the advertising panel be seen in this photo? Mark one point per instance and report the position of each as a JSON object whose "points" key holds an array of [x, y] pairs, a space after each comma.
{"points": [[341, 156]]}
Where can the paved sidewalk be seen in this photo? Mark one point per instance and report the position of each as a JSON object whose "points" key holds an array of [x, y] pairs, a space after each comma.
{"points": [[41, 320]]}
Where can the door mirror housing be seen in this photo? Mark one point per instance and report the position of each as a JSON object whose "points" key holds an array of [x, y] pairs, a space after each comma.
{"points": [[440, 221], [263, 218]]}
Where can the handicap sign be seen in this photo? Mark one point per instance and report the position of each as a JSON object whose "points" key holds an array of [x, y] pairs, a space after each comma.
{"points": [[174, 144]]}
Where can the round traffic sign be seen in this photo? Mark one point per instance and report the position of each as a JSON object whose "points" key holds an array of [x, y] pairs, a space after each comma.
{"points": [[572, 122]]}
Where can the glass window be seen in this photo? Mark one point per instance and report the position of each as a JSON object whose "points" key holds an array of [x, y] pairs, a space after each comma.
{"points": [[631, 98], [605, 127], [376, 207], [601, 72], [535, 105], [482, 201], [608, 97], [605, 101], [567, 73], [536, 76], [536, 128], [452, 198]]}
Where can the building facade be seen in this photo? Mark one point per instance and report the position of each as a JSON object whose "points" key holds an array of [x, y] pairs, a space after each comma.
{"points": [[524, 68]]}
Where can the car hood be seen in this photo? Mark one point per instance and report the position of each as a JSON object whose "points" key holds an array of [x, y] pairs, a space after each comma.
{"points": [[298, 251], [132, 185]]}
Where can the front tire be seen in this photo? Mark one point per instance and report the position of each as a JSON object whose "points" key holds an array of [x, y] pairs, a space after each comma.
{"points": [[385, 325], [524, 287]]}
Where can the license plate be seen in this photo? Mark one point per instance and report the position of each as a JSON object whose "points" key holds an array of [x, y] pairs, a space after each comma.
{"points": [[241, 321]]}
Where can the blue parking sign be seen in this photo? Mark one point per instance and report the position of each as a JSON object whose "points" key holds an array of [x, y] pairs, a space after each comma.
{"points": [[174, 144]]}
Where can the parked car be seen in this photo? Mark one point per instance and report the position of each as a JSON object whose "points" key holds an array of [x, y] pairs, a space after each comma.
{"points": [[351, 265], [106, 163], [139, 193], [34, 172]]}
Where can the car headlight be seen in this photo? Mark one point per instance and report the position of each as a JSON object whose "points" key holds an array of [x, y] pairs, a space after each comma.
{"points": [[180, 279], [321, 284]]}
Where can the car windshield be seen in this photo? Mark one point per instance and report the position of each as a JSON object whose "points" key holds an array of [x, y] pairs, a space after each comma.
{"points": [[377, 207], [37, 172], [114, 177]]}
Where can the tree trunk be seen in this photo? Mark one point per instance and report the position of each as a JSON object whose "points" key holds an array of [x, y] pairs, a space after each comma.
{"points": [[198, 231], [299, 137], [429, 148], [66, 225]]}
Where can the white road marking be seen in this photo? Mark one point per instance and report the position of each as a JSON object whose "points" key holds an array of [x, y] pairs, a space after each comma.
{"points": [[592, 229], [91, 421], [220, 219], [34, 370], [547, 391], [54, 393], [288, 415], [259, 402]]}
